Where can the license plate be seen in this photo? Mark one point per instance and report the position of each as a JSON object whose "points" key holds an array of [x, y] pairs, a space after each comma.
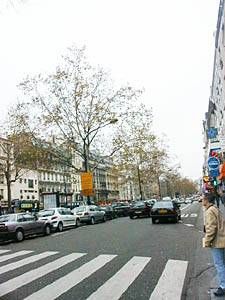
{"points": [[137, 212], [162, 211]]}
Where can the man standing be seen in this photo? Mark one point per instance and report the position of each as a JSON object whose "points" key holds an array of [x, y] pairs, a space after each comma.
{"points": [[215, 239]]}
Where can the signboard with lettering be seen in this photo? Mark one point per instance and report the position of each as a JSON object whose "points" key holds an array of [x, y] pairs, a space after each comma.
{"points": [[87, 184]]}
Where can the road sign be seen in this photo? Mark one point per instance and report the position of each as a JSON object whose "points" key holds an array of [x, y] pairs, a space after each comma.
{"points": [[87, 184], [212, 133], [214, 172], [213, 163]]}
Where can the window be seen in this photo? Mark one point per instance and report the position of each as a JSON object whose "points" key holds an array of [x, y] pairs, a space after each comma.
{"points": [[1, 179], [21, 191], [35, 181], [2, 193], [30, 183], [33, 197], [21, 197], [21, 180], [28, 197], [25, 181]]}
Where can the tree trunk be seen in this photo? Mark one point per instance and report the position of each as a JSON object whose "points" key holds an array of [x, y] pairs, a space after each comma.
{"points": [[9, 192]]}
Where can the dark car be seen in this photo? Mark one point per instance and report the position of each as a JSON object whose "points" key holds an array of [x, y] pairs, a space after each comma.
{"points": [[110, 212], [20, 225], [165, 210], [139, 209], [121, 209]]}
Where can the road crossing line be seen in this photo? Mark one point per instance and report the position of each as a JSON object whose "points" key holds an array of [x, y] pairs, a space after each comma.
{"points": [[171, 282], [30, 276], [4, 251], [62, 285], [13, 255], [118, 284], [25, 261]]}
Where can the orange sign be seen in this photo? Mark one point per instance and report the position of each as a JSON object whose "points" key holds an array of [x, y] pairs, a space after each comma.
{"points": [[87, 183]]}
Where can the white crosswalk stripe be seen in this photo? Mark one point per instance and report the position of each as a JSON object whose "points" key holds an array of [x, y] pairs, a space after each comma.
{"points": [[25, 261], [117, 285], [4, 251], [169, 286], [171, 282], [13, 255], [65, 283], [30, 276]]}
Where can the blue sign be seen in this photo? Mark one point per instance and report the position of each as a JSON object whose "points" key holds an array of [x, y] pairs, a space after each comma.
{"points": [[213, 163], [214, 172], [212, 133]]}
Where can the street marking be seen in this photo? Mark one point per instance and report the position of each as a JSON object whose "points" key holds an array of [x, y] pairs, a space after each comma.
{"points": [[184, 215], [193, 215], [25, 261], [189, 225], [16, 254], [118, 284], [30, 276], [4, 251], [171, 282], [185, 207], [62, 285]]}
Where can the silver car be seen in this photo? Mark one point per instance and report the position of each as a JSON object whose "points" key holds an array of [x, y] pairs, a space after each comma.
{"points": [[20, 225], [59, 217], [89, 214]]}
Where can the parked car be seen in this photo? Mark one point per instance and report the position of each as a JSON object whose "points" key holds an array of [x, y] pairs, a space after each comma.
{"points": [[140, 209], [121, 209], [110, 213], [150, 201], [60, 218], [188, 200], [168, 210], [20, 225], [89, 214]]}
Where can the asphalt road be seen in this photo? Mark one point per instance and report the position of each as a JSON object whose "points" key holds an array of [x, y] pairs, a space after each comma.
{"points": [[122, 258]]}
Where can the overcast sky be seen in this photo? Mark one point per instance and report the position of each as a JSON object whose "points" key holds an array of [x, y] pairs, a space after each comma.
{"points": [[165, 47]]}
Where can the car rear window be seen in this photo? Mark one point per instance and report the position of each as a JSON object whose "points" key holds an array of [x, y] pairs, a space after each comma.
{"points": [[46, 213], [8, 218], [163, 204]]}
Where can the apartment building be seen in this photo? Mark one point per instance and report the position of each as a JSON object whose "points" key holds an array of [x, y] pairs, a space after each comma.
{"points": [[215, 117]]}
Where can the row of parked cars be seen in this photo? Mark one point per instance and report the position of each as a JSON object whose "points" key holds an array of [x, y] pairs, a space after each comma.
{"points": [[20, 225]]}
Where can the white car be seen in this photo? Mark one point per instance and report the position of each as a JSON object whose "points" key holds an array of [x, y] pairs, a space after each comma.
{"points": [[90, 214], [60, 218]]}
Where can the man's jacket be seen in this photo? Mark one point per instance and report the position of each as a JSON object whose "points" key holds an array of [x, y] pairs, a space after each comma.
{"points": [[214, 228]]}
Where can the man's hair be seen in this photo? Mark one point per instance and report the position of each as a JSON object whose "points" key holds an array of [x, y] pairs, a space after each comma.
{"points": [[210, 197]]}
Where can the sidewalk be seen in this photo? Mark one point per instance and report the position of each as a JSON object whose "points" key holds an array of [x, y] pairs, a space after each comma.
{"points": [[214, 282]]}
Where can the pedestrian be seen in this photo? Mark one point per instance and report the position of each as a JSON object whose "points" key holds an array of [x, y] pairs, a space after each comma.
{"points": [[215, 238], [223, 197]]}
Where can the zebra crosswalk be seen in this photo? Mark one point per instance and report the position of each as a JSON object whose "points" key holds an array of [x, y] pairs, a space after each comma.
{"points": [[169, 286]]}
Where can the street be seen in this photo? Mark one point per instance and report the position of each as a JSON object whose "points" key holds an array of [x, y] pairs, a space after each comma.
{"points": [[120, 259]]}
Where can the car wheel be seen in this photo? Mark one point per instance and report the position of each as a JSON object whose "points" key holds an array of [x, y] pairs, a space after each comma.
{"points": [[92, 222], [179, 217], [176, 219], [60, 227], [19, 235], [104, 219], [47, 230], [77, 222], [153, 220], [131, 217]]}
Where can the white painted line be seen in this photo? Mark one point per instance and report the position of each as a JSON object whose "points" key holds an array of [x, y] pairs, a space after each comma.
{"points": [[16, 254], [189, 225], [117, 285], [184, 215], [30, 276], [193, 215], [4, 251], [171, 282], [25, 261], [185, 206], [60, 286]]}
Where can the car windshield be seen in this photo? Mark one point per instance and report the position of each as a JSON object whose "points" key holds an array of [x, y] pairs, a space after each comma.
{"points": [[8, 218], [163, 204], [138, 204], [46, 213], [79, 209]]}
